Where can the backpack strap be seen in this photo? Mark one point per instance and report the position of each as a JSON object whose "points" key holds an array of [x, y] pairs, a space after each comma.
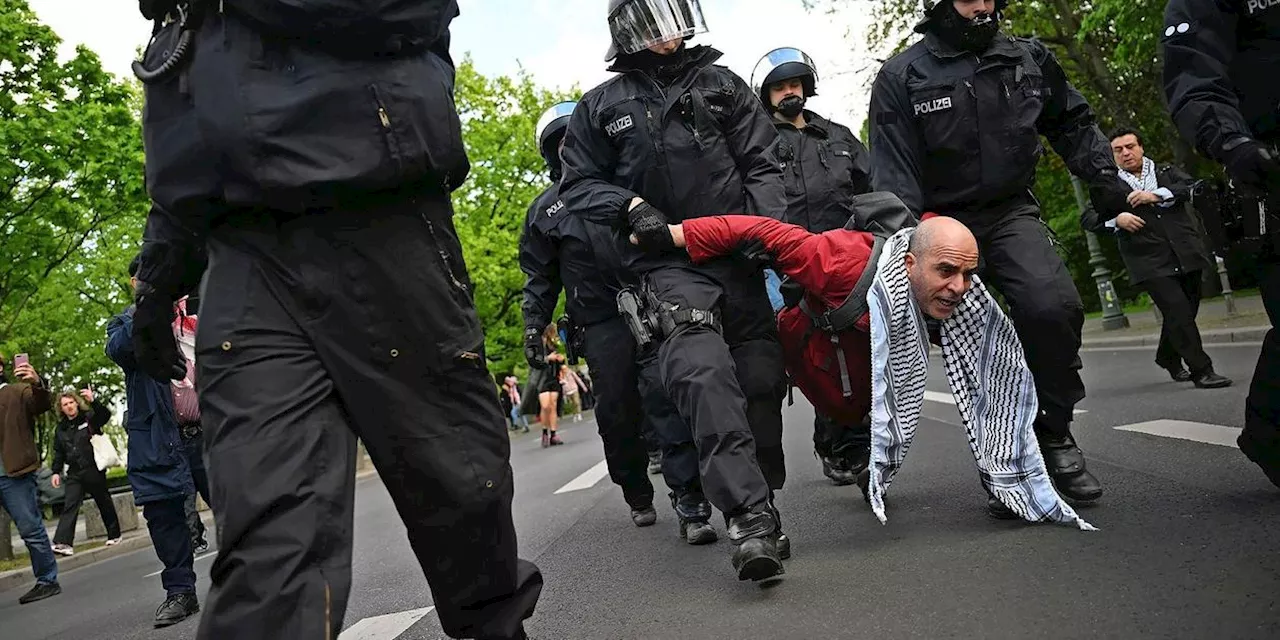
{"points": [[855, 304]]}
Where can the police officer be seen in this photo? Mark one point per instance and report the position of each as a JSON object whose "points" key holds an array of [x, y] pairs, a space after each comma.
{"points": [[281, 137], [561, 250], [1220, 59], [956, 121], [824, 166], [674, 136]]}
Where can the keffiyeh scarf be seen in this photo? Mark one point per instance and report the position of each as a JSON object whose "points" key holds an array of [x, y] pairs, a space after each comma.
{"points": [[1145, 182], [989, 379]]}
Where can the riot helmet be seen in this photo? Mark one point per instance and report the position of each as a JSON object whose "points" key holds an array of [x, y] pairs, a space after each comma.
{"points": [[636, 25], [785, 63], [550, 131]]}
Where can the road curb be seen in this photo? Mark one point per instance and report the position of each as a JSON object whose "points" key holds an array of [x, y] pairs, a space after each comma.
{"points": [[1243, 335], [135, 540]]}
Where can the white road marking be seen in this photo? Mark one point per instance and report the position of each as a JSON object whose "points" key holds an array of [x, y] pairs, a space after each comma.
{"points": [[196, 559], [385, 627], [1183, 430], [588, 479], [946, 398]]}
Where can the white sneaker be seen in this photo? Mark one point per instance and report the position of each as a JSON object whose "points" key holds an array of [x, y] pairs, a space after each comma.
{"points": [[113, 542], [63, 550]]}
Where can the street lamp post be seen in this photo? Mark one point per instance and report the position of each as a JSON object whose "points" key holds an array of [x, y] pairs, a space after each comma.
{"points": [[1112, 313]]}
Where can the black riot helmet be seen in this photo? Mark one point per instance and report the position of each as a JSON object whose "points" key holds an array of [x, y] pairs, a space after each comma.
{"points": [[550, 131], [636, 25], [931, 9], [781, 64]]}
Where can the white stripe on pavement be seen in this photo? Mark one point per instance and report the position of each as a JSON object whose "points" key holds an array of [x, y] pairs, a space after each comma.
{"points": [[1183, 430], [197, 559], [588, 479], [385, 627], [946, 398]]}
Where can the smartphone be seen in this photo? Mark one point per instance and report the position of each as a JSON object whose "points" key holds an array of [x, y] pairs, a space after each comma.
{"points": [[20, 359]]}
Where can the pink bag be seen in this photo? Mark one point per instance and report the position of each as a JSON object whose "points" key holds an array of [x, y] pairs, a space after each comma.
{"points": [[185, 402]]}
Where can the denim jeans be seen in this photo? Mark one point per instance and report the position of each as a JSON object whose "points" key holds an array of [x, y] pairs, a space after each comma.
{"points": [[518, 420], [18, 497]]}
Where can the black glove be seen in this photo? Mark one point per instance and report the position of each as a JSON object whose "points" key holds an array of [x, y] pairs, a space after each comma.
{"points": [[535, 350], [1109, 195], [792, 293], [650, 228], [156, 9], [1252, 165], [154, 346], [755, 253]]}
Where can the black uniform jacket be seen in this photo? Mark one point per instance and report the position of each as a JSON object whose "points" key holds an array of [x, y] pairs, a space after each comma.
{"points": [[952, 131], [1169, 243], [699, 146], [559, 250], [1220, 63], [823, 166]]}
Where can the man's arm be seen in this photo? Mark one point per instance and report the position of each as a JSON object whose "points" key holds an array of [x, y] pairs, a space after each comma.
{"points": [[101, 415], [794, 250], [172, 259], [589, 160], [1068, 121], [860, 168], [540, 262], [120, 341], [1175, 186], [751, 135], [59, 454], [896, 147], [1197, 82]]}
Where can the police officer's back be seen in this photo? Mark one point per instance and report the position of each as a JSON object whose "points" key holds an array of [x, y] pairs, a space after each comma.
{"points": [[285, 139], [674, 136], [956, 121], [1220, 58]]}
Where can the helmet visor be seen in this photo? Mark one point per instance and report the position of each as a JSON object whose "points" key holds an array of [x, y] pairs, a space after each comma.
{"points": [[640, 24], [550, 116], [764, 75]]}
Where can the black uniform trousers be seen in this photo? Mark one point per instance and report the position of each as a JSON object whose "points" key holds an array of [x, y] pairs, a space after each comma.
{"points": [[611, 354], [315, 330], [1262, 407], [193, 443], [1178, 299], [727, 385], [674, 438], [82, 481], [1019, 259]]}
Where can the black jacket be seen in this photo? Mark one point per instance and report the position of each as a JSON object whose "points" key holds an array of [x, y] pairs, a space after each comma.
{"points": [[559, 250], [1220, 61], [696, 147], [1169, 243], [71, 440], [823, 167], [951, 131], [296, 105]]}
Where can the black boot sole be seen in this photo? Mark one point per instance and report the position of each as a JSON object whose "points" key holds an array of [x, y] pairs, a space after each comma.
{"points": [[753, 561], [1217, 384], [169, 622]]}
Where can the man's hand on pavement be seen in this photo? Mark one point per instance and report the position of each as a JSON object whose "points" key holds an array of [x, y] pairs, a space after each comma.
{"points": [[1130, 222]]}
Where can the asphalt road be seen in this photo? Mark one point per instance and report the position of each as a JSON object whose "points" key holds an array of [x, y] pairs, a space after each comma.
{"points": [[1187, 547]]}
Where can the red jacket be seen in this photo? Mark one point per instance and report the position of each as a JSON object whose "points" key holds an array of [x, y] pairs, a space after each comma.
{"points": [[828, 266]]}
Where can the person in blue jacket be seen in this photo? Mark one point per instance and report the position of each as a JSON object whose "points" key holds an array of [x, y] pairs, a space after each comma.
{"points": [[158, 469]]}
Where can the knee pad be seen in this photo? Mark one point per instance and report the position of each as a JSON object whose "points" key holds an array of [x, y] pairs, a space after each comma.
{"points": [[760, 368]]}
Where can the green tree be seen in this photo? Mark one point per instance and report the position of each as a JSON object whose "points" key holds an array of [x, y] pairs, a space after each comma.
{"points": [[499, 115], [72, 201]]}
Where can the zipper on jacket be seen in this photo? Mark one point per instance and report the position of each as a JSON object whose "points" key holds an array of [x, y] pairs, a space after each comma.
{"points": [[444, 256], [388, 133]]}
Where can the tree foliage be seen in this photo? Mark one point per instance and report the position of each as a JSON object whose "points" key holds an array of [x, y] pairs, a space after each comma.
{"points": [[1109, 50], [499, 115]]}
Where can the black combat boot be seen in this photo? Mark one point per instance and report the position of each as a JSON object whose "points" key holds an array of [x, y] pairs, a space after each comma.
{"points": [[837, 470], [693, 514], [1065, 463], [755, 551], [784, 543], [644, 516]]}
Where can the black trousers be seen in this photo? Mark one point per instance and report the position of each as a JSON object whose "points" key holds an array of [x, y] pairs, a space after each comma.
{"points": [[1262, 407], [727, 385], [611, 354], [194, 445], [313, 331], [1178, 299], [167, 525], [831, 438], [81, 482], [674, 437], [1019, 259]]}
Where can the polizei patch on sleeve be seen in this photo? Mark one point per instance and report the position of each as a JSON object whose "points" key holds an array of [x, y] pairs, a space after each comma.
{"points": [[618, 126], [1255, 6], [932, 106], [555, 208]]}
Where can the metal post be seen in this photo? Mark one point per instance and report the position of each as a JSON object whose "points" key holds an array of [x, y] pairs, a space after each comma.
{"points": [[1112, 313], [1226, 285]]}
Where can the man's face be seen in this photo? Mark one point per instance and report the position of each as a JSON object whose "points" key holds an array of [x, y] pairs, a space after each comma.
{"points": [[667, 48], [69, 407], [1128, 153], [970, 8], [941, 277], [783, 88]]}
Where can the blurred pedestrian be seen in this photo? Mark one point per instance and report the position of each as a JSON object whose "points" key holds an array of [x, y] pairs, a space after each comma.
{"points": [[81, 417]]}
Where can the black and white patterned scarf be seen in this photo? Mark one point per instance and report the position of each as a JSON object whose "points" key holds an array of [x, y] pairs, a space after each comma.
{"points": [[989, 379], [1145, 182]]}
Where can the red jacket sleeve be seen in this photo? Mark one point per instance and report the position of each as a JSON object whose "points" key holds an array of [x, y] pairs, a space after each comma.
{"points": [[826, 264]]}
